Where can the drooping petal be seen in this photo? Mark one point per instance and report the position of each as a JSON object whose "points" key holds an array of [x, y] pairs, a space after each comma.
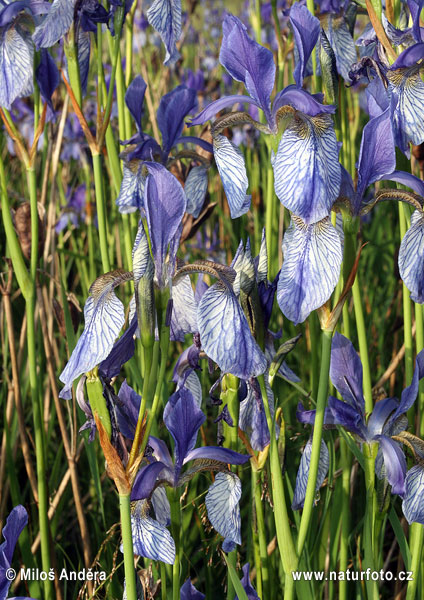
{"points": [[225, 334], [104, 318], [183, 419], [16, 65], [165, 205], [131, 194], [308, 416], [55, 24], [248, 61], [394, 464], [377, 155], [173, 108], [413, 500], [411, 258], [84, 47], [189, 592], [306, 30], [306, 167], [381, 412], [134, 99], [302, 101], [150, 538], [303, 473], [409, 394], [407, 90], [161, 506], [341, 41], [230, 162], [184, 309], [222, 505], [415, 8], [195, 189], [165, 17], [122, 351], [311, 267], [346, 372]]}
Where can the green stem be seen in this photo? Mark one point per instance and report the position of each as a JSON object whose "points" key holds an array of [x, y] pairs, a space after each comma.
{"points": [[32, 187], [345, 518], [370, 453], [315, 82], [101, 211], [316, 440], [174, 501], [417, 538], [263, 572], [363, 345], [127, 543], [286, 547], [407, 307]]}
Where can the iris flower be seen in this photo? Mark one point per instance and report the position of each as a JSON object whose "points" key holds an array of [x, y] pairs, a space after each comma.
{"points": [[183, 419], [386, 420]]}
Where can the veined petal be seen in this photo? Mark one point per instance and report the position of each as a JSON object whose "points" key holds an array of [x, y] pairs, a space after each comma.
{"points": [[140, 253], [342, 43], [217, 105], [189, 592], [173, 108], [184, 309], [104, 318], [311, 267], [183, 419], [407, 89], [122, 351], [165, 205], [16, 65], [262, 265], [222, 505], [150, 538], [248, 61], [131, 194], [195, 189], [413, 500], [230, 162], [165, 17], [348, 417], [394, 464], [381, 412], [225, 334], [346, 372], [411, 258], [55, 24], [377, 154], [161, 506], [84, 46], [307, 173], [303, 473], [306, 30]]}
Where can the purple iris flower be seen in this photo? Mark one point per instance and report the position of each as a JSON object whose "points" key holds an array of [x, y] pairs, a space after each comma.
{"points": [[173, 108], [183, 419], [74, 211], [15, 523], [386, 420], [165, 17]]}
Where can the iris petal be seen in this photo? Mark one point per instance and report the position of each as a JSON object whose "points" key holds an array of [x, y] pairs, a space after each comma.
{"points": [[303, 473], [131, 193], [312, 259], [411, 258], [306, 167], [173, 107], [408, 114], [225, 334], [306, 29], [346, 372], [184, 309], [394, 464], [16, 65], [230, 162], [413, 504], [56, 23], [150, 538], [222, 505], [165, 17], [342, 43], [195, 189]]}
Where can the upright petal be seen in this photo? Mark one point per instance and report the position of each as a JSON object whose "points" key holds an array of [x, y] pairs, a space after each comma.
{"points": [[303, 473], [55, 24], [165, 17], [165, 205], [247, 586], [411, 258], [311, 267], [134, 99], [15, 523], [248, 61], [413, 500], [47, 75], [173, 108], [346, 372], [16, 65], [104, 318], [189, 592], [183, 419], [306, 30], [127, 408], [230, 162], [225, 334], [150, 538], [222, 505], [146, 480], [306, 167]]}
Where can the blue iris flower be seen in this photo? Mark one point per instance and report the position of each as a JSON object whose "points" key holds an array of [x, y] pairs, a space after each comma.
{"points": [[386, 420], [15, 523], [183, 418]]}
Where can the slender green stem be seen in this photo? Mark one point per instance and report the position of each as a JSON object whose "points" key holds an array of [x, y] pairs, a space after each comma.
{"points": [[286, 547], [101, 211], [407, 306], [363, 345], [370, 453], [416, 546], [345, 518], [127, 543], [316, 440], [260, 523], [315, 80], [174, 501], [32, 187]]}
